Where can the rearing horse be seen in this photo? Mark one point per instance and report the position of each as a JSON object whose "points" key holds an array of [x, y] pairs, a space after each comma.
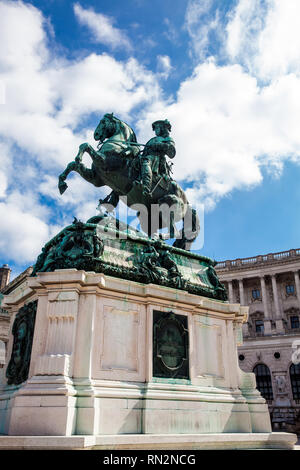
{"points": [[116, 164]]}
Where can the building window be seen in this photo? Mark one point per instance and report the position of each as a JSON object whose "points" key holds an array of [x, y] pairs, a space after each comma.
{"points": [[259, 326], [263, 381], [290, 289], [294, 321], [241, 357], [277, 355], [295, 380], [256, 294]]}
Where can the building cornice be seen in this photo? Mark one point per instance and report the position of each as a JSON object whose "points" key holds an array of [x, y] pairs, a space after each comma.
{"points": [[261, 265]]}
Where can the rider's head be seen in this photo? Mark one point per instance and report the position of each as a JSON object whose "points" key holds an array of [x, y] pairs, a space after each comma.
{"points": [[161, 127]]}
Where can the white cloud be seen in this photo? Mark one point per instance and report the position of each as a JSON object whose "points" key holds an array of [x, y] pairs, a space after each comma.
{"points": [[3, 184], [265, 36], [226, 128], [102, 28], [200, 22], [171, 32], [99, 83], [5, 167], [225, 125], [164, 66], [73, 197], [47, 100], [23, 35], [27, 200], [22, 235], [2, 92], [246, 21]]}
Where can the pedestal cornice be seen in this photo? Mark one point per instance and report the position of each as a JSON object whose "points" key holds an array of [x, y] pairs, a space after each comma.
{"points": [[101, 284]]}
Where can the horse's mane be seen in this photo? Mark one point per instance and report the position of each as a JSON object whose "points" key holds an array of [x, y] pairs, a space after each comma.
{"points": [[131, 137], [128, 131]]}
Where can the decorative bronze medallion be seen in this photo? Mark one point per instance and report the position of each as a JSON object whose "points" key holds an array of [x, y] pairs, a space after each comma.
{"points": [[23, 329], [170, 345]]}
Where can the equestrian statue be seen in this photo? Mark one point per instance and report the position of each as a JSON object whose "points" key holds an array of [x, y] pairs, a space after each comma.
{"points": [[142, 175]]}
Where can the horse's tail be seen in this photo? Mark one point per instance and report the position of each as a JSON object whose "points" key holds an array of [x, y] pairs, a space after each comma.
{"points": [[189, 231]]}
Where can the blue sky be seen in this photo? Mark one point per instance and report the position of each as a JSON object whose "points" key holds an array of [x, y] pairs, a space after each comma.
{"points": [[226, 74]]}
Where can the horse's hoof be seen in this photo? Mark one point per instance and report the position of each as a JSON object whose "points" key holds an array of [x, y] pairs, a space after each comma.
{"points": [[62, 187]]}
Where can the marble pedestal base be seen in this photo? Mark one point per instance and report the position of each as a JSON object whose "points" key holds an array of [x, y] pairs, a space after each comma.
{"points": [[245, 441], [91, 371]]}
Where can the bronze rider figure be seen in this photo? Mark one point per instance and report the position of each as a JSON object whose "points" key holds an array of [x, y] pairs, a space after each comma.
{"points": [[153, 158]]}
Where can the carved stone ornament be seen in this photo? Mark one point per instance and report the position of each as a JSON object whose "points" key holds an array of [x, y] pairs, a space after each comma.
{"points": [[280, 381], [23, 328], [77, 246], [170, 346], [157, 265], [106, 245]]}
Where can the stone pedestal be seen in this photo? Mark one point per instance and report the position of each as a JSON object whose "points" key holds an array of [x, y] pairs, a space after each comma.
{"points": [[91, 367]]}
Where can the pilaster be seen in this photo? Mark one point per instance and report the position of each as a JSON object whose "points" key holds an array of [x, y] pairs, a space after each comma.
{"points": [[267, 321], [230, 291], [241, 290], [278, 313], [297, 284]]}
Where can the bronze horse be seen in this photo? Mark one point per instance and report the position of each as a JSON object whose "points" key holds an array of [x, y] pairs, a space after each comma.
{"points": [[116, 164]]}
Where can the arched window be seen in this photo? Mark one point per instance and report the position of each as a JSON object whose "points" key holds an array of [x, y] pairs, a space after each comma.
{"points": [[295, 380], [263, 381]]}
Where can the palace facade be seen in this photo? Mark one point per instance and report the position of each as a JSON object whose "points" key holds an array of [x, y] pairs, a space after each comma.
{"points": [[270, 286]]}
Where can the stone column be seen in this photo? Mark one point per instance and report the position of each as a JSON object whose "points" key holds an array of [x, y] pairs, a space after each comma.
{"points": [[278, 315], [297, 283], [267, 321], [241, 288], [230, 292]]}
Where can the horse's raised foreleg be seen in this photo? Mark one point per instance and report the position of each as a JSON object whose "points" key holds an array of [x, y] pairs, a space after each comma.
{"points": [[97, 157], [89, 174], [62, 185]]}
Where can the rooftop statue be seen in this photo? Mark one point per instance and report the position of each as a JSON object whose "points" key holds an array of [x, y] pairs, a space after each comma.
{"points": [[142, 175]]}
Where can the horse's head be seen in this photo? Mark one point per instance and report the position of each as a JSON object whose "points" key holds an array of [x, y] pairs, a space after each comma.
{"points": [[106, 128], [110, 126]]}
